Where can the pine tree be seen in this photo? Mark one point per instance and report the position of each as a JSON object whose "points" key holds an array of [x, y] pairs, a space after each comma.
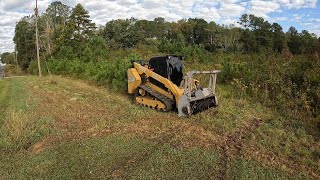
{"points": [[80, 22], [57, 13], [79, 29]]}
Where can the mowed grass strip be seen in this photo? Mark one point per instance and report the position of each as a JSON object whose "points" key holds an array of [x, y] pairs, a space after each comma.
{"points": [[4, 98], [21, 126], [119, 157], [81, 111], [66, 120]]}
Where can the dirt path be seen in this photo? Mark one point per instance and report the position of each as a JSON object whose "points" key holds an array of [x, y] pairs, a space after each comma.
{"points": [[232, 144]]}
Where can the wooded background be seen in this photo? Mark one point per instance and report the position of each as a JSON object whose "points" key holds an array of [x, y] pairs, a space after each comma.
{"points": [[277, 67]]}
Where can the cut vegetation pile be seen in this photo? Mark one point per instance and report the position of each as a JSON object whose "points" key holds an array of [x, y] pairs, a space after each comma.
{"points": [[57, 128]]}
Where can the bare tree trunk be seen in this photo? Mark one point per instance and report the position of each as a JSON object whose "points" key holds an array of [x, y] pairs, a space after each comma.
{"points": [[48, 33], [37, 39]]}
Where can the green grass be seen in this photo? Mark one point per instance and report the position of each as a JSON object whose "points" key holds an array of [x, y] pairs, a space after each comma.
{"points": [[82, 160], [20, 126], [233, 111], [244, 169], [123, 157], [58, 128], [4, 97]]}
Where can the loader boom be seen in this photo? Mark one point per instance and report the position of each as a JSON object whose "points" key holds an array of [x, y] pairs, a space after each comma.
{"points": [[142, 70], [160, 85]]}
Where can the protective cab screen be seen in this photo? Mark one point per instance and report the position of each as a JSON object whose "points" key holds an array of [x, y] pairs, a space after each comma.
{"points": [[169, 67]]}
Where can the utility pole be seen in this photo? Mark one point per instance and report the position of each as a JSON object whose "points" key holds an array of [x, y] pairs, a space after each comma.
{"points": [[37, 38], [16, 57]]}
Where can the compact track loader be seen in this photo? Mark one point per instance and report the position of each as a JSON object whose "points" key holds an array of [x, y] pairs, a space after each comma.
{"points": [[160, 84]]}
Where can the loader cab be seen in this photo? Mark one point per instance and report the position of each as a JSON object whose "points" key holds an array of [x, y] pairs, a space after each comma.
{"points": [[170, 67]]}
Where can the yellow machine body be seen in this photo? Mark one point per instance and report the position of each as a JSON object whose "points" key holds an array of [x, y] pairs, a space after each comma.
{"points": [[174, 90], [151, 102], [134, 80], [158, 92]]}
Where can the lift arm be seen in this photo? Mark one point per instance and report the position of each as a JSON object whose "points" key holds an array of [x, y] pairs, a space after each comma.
{"points": [[175, 90]]}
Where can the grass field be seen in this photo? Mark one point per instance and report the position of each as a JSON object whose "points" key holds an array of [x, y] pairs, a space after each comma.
{"points": [[60, 128]]}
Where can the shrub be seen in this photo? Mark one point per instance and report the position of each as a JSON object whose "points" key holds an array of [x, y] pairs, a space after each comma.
{"points": [[12, 70], [110, 73], [286, 85]]}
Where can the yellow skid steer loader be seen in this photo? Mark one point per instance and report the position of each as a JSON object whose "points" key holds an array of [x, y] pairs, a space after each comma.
{"points": [[160, 84]]}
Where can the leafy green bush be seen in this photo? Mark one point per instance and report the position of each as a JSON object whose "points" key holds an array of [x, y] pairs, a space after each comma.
{"points": [[286, 84], [33, 67], [231, 70], [102, 72]]}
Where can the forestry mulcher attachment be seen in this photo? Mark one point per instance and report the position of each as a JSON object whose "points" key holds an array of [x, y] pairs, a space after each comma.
{"points": [[160, 84]]}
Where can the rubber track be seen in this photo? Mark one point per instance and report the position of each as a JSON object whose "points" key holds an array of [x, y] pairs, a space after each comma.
{"points": [[168, 102]]}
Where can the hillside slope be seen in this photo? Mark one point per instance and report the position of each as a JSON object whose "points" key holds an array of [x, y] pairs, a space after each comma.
{"points": [[57, 127]]}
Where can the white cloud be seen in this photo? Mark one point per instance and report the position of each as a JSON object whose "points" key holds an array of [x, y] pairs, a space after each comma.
{"points": [[280, 19], [316, 31], [231, 10], [6, 34], [262, 8], [205, 12], [13, 4], [152, 4], [102, 11], [297, 4]]}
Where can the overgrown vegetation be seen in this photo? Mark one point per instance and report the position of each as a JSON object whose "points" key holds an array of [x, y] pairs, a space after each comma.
{"points": [[279, 69], [259, 62], [111, 73], [13, 70]]}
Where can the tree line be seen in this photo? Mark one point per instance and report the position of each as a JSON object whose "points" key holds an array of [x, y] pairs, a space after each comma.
{"points": [[275, 67], [70, 33]]}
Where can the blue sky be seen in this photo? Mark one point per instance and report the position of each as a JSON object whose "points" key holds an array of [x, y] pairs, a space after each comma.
{"points": [[302, 14], [302, 18]]}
